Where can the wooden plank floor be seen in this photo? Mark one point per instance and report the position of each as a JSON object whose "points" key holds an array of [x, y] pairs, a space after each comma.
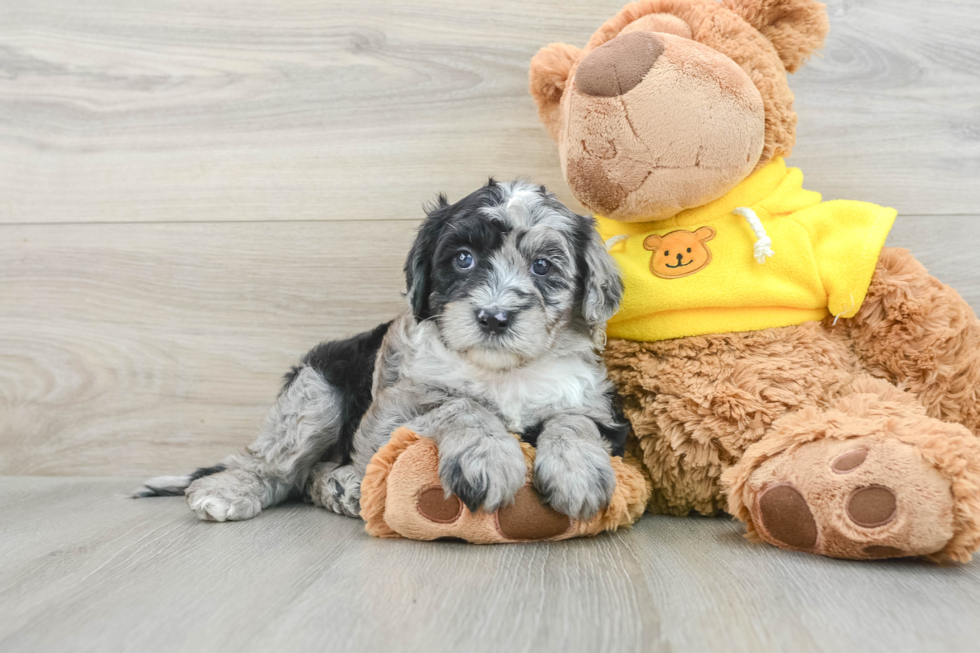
{"points": [[84, 569]]}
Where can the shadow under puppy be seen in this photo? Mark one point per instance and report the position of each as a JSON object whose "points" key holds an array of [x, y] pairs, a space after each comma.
{"points": [[508, 296]]}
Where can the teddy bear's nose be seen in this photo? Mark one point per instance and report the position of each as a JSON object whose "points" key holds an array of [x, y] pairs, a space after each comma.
{"points": [[617, 66]]}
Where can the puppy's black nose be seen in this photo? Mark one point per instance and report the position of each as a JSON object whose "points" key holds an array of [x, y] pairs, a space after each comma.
{"points": [[492, 321]]}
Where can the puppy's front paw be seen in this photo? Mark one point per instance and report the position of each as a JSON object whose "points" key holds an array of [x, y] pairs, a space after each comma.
{"points": [[483, 470], [575, 477], [222, 497]]}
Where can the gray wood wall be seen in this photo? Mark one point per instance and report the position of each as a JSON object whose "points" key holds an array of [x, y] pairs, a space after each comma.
{"points": [[192, 193]]}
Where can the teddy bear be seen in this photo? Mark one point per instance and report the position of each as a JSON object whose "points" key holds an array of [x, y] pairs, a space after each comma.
{"points": [[775, 360]]}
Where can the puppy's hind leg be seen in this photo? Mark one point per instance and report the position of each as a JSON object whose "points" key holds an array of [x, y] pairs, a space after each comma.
{"points": [[303, 425], [336, 488]]}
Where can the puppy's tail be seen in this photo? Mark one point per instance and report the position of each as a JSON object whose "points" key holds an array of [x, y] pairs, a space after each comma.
{"points": [[174, 486]]}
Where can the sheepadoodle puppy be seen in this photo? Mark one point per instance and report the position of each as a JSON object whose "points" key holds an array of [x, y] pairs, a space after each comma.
{"points": [[508, 296]]}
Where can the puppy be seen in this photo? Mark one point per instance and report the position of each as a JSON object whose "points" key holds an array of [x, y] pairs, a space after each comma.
{"points": [[508, 296]]}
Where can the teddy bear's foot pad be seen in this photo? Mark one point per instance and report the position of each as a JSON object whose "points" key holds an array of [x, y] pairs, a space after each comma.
{"points": [[867, 497], [524, 519], [786, 517], [529, 519], [434, 505]]}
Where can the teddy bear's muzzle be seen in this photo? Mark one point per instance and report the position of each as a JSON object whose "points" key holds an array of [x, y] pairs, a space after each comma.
{"points": [[644, 136]]}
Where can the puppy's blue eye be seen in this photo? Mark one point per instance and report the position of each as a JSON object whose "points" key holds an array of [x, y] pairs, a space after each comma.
{"points": [[463, 260], [540, 267]]}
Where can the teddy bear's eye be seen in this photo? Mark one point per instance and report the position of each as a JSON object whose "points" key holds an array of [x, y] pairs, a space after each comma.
{"points": [[688, 250], [667, 253]]}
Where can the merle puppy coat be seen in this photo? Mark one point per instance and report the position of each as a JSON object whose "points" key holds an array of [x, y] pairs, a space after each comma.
{"points": [[508, 295]]}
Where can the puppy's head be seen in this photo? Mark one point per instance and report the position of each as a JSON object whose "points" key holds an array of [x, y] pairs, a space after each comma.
{"points": [[507, 272]]}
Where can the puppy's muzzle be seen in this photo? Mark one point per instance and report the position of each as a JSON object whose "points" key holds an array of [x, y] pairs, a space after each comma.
{"points": [[493, 321]]}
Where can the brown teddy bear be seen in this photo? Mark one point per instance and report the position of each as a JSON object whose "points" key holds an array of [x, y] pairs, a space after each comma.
{"points": [[774, 358]]}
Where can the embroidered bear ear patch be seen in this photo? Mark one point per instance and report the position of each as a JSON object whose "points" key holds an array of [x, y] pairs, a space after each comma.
{"points": [[680, 253]]}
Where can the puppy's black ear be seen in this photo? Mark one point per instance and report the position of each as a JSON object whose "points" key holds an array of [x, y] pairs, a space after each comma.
{"points": [[418, 266], [602, 284]]}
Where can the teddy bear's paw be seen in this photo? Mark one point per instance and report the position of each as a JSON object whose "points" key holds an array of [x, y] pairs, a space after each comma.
{"points": [[861, 498]]}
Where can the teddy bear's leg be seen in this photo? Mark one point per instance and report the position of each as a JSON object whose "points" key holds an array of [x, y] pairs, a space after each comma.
{"points": [[696, 404], [871, 476], [921, 335]]}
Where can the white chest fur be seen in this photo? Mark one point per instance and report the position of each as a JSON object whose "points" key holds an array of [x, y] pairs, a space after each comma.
{"points": [[522, 395], [525, 395]]}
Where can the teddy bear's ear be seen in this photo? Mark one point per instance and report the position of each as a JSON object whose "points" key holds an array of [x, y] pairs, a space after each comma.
{"points": [[795, 27], [652, 242], [550, 68], [704, 234]]}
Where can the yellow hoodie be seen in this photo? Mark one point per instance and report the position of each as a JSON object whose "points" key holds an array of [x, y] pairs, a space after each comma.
{"points": [[699, 272]]}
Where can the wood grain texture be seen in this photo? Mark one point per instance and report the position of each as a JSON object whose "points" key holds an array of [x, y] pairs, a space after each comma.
{"points": [[84, 569], [126, 348], [142, 349], [180, 110]]}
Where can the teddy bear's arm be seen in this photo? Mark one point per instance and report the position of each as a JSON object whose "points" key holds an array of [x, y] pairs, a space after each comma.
{"points": [[923, 335], [846, 239]]}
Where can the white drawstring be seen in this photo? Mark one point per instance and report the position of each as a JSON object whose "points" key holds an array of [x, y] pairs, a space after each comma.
{"points": [[763, 243], [837, 317], [615, 240]]}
